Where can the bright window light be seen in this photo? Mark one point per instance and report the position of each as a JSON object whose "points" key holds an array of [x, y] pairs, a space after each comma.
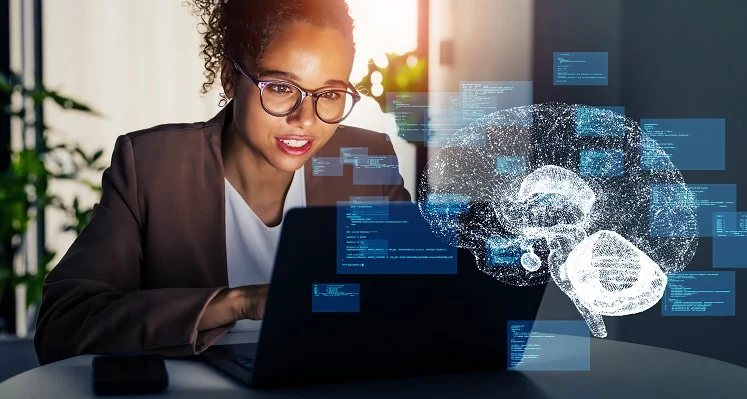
{"points": [[382, 26]]}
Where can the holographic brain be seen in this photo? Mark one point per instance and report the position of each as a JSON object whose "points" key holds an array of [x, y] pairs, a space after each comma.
{"points": [[556, 191]]}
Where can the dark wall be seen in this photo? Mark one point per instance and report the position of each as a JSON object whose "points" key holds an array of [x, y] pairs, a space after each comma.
{"points": [[687, 59], [667, 59], [576, 25]]}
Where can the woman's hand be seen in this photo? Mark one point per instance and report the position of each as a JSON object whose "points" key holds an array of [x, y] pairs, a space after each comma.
{"points": [[230, 305]]}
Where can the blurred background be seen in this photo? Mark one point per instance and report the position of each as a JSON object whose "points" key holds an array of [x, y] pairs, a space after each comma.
{"points": [[78, 73]]}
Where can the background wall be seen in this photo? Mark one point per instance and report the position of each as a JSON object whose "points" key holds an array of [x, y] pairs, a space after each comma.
{"points": [[688, 61]]}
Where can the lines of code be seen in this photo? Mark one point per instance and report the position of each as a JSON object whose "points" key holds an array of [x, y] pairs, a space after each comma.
{"points": [[410, 113], [699, 294], [602, 163], [352, 155], [580, 68], [670, 206], [480, 98], [430, 117], [376, 170], [598, 121], [336, 298], [730, 240], [548, 345], [445, 115], [503, 252], [376, 238], [691, 144], [511, 165], [326, 166]]}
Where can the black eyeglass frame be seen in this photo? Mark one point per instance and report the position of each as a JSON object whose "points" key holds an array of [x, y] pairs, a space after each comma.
{"points": [[261, 84]]}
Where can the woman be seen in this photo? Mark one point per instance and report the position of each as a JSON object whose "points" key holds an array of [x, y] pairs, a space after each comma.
{"points": [[189, 210]]}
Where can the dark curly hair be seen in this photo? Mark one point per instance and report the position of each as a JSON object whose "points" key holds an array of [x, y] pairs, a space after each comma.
{"points": [[241, 28]]}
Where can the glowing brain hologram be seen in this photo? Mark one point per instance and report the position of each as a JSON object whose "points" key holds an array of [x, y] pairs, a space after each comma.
{"points": [[558, 213]]}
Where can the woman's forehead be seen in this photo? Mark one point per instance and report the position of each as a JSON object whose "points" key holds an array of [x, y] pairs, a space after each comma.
{"points": [[309, 54]]}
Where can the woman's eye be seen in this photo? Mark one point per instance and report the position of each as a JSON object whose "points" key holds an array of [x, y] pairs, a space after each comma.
{"points": [[330, 95], [280, 88]]}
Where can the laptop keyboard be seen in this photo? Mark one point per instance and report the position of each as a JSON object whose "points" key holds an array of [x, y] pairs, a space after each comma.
{"points": [[245, 362]]}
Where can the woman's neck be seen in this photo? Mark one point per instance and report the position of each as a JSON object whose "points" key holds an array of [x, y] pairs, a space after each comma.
{"points": [[254, 178]]}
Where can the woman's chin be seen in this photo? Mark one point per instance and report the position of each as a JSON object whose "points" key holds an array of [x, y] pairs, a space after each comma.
{"points": [[289, 165]]}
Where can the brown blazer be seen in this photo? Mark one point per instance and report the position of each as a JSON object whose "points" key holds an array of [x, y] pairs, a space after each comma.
{"points": [[141, 273]]}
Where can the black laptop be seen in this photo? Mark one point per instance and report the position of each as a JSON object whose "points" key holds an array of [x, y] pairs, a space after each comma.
{"points": [[349, 299]]}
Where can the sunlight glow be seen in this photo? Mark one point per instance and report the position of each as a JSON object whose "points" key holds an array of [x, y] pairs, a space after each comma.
{"points": [[382, 26]]}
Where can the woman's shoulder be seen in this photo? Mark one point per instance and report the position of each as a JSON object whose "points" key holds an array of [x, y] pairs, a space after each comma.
{"points": [[169, 151], [177, 139], [171, 138], [169, 132]]}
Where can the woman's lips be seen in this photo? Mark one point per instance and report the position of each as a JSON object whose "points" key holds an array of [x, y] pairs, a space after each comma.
{"points": [[295, 151]]}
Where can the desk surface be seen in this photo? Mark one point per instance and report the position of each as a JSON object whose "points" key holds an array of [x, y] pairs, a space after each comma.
{"points": [[618, 370]]}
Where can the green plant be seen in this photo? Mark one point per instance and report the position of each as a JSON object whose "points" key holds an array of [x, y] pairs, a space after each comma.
{"points": [[403, 73], [24, 186]]}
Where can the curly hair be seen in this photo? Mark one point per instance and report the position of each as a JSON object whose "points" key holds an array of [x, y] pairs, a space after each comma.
{"points": [[241, 28]]}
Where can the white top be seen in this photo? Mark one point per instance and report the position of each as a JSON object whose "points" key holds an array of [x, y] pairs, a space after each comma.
{"points": [[251, 245]]}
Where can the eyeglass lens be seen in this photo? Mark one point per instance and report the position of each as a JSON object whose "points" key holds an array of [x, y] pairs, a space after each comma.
{"points": [[331, 105]]}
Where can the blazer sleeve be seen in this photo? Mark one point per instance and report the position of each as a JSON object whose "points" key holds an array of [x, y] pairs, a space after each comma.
{"points": [[395, 192], [92, 301]]}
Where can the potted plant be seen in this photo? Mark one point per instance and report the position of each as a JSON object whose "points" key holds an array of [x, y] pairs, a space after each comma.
{"points": [[24, 185]]}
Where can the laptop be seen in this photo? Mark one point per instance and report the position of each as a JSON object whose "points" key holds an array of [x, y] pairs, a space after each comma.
{"points": [[385, 319]]}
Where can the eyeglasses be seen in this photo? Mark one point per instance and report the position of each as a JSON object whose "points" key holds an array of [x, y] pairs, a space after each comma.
{"points": [[282, 98]]}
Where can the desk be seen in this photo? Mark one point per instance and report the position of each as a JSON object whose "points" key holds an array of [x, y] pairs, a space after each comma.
{"points": [[619, 370]]}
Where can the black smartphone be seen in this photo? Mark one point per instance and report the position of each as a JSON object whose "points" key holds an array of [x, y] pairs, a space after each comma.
{"points": [[129, 374]]}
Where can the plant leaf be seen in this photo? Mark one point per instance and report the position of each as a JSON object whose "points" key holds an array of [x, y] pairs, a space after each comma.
{"points": [[69, 103]]}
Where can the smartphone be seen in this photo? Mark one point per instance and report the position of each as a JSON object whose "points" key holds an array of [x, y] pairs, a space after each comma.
{"points": [[129, 374]]}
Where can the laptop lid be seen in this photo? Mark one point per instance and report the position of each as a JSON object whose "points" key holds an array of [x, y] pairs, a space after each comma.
{"points": [[351, 299]]}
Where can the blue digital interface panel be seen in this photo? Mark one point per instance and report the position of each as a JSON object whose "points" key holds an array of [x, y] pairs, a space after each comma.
{"points": [[480, 98], [602, 163], [548, 345], [326, 166], [430, 117], [514, 165], [445, 116], [580, 68], [699, 294], [335, 298], [447, 207], [352, 155], [447, 203], [376, 238], [376, 170], [730, 240], [502, 251], [690, 144], [669, 210], [410, 113], [600, 121]]}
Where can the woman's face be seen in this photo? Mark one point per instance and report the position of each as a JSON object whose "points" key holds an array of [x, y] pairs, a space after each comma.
{"points": [[313, 58]]}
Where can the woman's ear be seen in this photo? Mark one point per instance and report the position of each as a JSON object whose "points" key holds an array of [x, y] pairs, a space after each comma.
{"points": [[227, 76]]}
